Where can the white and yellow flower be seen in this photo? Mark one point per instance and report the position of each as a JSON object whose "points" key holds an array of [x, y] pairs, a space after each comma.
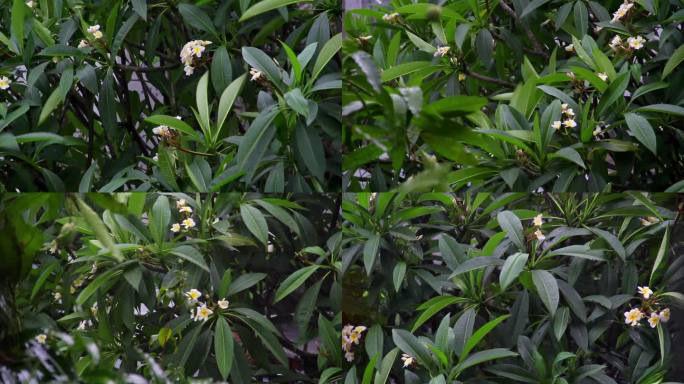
{"points": [[653, 320], [175, 227], [223, 304], [5, 82], [615, 43], [569, 123], [556, 125], [191, 50], [407, 359], [188, 223], [41, 338], [636, 42], [569, 48], [185, 209], [644, 291], [537, 222], [95, 31], [441, 51], [391, 17], [664, 315], [83, 43], [193, 295], [540, 235], [633, 317], [203, 313], [30, 3], [622, 11], [349, 356], [255, 73], [461, 76], [602, 76]]}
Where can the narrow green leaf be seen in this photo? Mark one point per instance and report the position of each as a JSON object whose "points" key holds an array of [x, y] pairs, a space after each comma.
{"points": [[547, 287], [370, 252], [255, 221], [267, 5], [642, 130], [512, 267], [223, 346]]}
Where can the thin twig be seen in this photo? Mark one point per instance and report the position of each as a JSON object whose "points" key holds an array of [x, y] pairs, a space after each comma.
{"points": [[490, 79]]}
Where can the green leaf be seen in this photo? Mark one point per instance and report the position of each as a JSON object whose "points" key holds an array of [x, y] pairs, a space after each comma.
{"points": [[58, 95], [160, 216], [675, 59], [475, 339], [191, 254], [95, 223], [86, 183], [570, 154], [615, 91], [660, 256], [17, 23], [203, 105], [547, 288], [96, 284], [662, 108], [227, 100], [294, 281], [311, 150], [107, 103], [370, 252], [560, 322], [410, 345], [486, 355], [435, 306], [267, 5], [261, 61], [140, 7], [642, 130], [512, 267], [511, 224], [221, 70], [42, 278], [532, 6], [244, 282], [295, 99], [197, 18], [420, 43], [255, 142], [459, 104], [398, 275], [328, 51], [122, 32], [581, 18], [199, 172], [474, 264], [403, 69], [254, 221], [223, 346]]}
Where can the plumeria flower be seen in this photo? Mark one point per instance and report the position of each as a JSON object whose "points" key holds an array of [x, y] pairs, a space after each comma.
{"points": [[540, 235], [93, 309], [597, 131], [653, 320], [190, 50], [556, 124], [82, 325], [646, 292], [41, 338], [622, 11], [57, 296], [181, 203], [203, 313], [155, 157], [189, 70], [664, 315], [5, 82], [349, 356], [569, 112], [188, 223], [633, 317], [193, 295], [162, 131], [391, 17], [569, 123], [570, 48], [602, 76], [461, 76], [537, 222], [407, 359], [175, 227], [615, 42], [83, 43], [441, 51], [185, 209], [30, 4], [95, 31], [223, 304], [636, 42], [255, 73]]}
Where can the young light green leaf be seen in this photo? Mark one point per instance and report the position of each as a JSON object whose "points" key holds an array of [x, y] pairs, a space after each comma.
{"points": [[267, 5]]}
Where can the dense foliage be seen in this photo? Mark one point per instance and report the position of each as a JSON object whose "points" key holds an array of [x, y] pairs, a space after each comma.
{"points": [[179, 96], [482, 288], [567, 95], [163, 288]]}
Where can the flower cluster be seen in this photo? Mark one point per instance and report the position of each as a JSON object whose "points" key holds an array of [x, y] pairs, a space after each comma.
{"points": [[634, 316], [187, 223], [202, 311], [95, 31], [5, 82], [391, 18], [441, 51], [407, 359], [191, 50], [537, 222], [634, 43], [351, 335], [256, 74], [622, 11], [569, 118]]}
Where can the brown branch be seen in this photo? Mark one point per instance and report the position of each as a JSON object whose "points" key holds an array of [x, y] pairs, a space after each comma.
{"points": [[490, 79]]}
